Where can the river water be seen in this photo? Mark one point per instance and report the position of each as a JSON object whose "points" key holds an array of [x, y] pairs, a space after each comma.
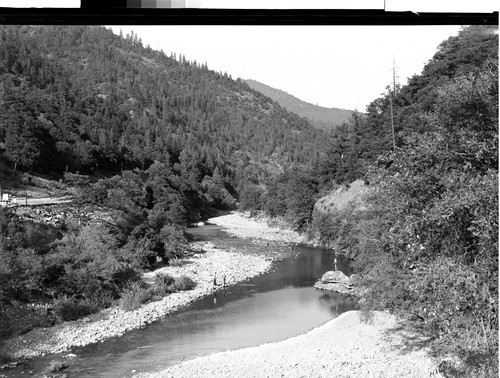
{"points": [[272, 307]]}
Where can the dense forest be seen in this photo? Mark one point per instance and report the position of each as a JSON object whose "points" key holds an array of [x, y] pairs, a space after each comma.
{"points": [[161, 141]]}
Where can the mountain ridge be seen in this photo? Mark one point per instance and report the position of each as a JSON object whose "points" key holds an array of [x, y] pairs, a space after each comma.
{"points": [[320, 116]]}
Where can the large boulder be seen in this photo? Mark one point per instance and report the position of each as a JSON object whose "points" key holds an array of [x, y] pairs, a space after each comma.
{"points": [[335, 280], [334, 276]]}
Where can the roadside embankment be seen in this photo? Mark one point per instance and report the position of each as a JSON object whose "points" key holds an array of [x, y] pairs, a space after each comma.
{"points": [[114, 321], [343, 347]]}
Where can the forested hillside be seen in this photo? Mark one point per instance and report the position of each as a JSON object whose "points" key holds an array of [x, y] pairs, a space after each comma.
{"points": [[425, 240], [83, 97], [321, 117]]}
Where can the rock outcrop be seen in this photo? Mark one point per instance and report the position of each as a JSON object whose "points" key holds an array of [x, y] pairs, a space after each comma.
{"points": [[343, 197]]}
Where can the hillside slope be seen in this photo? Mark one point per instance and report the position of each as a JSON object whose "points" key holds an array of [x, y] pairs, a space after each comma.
{"points": [[84, 99], [321, 117]]}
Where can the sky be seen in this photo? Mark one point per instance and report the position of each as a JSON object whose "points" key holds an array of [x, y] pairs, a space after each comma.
{"points": [[343, 67]]}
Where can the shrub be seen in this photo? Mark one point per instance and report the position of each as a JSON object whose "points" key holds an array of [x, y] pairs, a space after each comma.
{"points": [[103, 299], [55, 366], [184, 283], [125, 275], [174, 241], [68, 308], [134, 296], [164, 284]]}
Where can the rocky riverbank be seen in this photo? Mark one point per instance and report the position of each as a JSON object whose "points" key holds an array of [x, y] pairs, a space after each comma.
{"points": [[343, 347], [243, 226], [202, 268]]}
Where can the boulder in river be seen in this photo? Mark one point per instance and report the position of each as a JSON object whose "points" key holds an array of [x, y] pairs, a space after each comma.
{"points": [[334, 276], [335, 280]]}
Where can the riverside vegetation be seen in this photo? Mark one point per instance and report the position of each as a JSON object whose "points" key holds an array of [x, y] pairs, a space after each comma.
{"points": [[161, 141]]}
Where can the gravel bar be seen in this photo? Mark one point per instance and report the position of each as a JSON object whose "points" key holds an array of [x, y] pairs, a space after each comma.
{"points": [[342, 347], [241, 225]]}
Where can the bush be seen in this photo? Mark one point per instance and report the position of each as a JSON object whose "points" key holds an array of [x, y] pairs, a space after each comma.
{"points": [[164, 284], [125, 275], [103, 299], [67, 308], [184, 283], [134, 296]]}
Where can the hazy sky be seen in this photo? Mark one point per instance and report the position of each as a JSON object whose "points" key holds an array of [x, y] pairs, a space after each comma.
{"points": [[332, 66]]}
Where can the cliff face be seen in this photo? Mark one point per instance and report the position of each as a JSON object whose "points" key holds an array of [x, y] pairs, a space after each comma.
{"points": [[334, 215]]}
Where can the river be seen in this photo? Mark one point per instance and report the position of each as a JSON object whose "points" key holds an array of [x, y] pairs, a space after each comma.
{"points": [[272, 307]]}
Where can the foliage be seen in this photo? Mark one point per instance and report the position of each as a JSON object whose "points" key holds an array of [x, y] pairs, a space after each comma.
{"points": [[164, 284], [184, 283], [135, 295], [23, 249], [67, 308], [88, 261], [292, 195], [336, 230], [432, 221], [174, 242], [251, 197]]}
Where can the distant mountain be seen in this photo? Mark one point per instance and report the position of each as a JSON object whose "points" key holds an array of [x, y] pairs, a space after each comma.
{"points": [[321, 117]]}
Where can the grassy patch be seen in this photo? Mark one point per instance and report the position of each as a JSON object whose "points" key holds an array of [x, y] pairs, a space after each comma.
{"points": [[164, 284], [184, 283], [134, 296]]}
